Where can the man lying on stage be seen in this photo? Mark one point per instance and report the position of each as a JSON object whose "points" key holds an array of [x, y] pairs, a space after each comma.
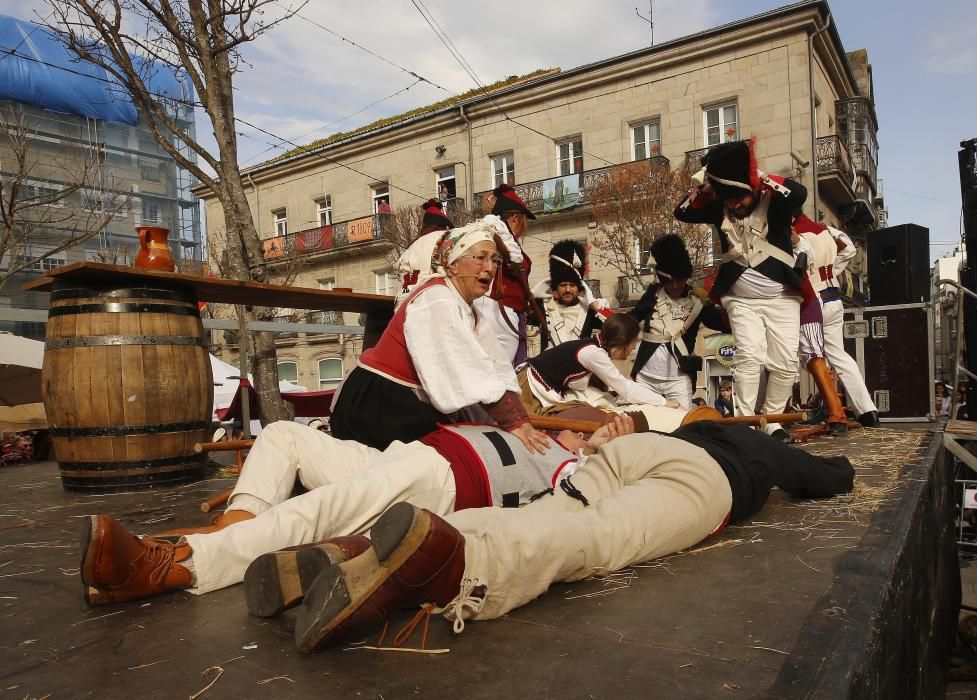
{"points": [[635, 497]]}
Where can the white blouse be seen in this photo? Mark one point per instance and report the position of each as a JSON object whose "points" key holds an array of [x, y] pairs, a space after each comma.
{"points": [[458, 360], [597, 362]]}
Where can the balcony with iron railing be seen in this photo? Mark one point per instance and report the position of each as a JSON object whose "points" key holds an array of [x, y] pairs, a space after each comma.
{"points": [[346, 236], [563, 193], [322, 239]]}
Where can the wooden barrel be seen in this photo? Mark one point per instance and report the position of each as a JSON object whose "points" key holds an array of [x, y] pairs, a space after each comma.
{"points": [[127, 386]]}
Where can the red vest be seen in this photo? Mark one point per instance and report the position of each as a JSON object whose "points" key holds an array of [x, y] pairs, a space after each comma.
{"points": [[390, 357], [512, 294]]}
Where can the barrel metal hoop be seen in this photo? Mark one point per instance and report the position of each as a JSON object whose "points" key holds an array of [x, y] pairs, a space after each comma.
{"points": [[192, 459], [111, 340], [115, 430], [115, 307], [71, 293]]}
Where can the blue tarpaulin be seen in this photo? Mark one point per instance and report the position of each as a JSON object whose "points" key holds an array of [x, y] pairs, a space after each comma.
{"points": [[44, 73]]}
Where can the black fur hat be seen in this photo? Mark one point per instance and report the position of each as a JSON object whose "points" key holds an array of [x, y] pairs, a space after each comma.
{"points": [[567, 261], [671, 257], [731, 169]]}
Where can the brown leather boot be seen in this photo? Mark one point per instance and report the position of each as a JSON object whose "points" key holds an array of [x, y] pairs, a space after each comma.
{"points": [[837, 421], [416, 558], [117, 567], [277, 581], [218, 522]]}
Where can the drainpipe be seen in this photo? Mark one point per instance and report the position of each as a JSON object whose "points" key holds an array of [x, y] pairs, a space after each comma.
{"points": [[468, 167], [814, 116]]}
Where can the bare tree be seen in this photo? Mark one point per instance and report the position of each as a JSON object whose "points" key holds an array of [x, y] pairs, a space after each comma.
{"points": [[634, 205], [51, 200], [403, 227], [133, 40]]}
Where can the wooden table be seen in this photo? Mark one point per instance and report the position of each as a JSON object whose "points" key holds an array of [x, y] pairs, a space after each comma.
{"points": [[127, 382], [378, 308]]}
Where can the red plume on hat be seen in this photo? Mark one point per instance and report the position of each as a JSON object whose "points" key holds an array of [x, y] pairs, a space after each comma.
{"points": [[506, 200], [434, 216]]}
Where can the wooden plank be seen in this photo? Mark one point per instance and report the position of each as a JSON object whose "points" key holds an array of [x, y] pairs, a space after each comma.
{"points": [[218, 290]]}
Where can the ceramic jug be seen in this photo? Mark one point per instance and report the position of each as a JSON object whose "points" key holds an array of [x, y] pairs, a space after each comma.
{"points": [[154, 251]]}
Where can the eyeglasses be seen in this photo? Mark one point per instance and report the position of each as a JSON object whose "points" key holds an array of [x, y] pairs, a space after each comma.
{"points": [[494, 260]]}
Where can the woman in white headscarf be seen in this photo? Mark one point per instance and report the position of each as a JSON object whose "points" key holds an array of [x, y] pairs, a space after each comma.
{"points": [[435, 358]]}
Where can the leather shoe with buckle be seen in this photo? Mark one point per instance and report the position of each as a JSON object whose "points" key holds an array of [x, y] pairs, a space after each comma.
{"points": [[416, 558], [277, 581], [117, 566]]}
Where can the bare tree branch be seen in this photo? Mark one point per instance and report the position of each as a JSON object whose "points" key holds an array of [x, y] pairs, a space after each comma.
{"points": [[40, 216], [132, 40]]}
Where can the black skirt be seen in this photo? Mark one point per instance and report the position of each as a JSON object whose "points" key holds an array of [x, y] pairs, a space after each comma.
{"points": [[375, 411]]}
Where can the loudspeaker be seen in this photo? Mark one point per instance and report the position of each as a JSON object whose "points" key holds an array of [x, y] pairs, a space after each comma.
{"points": [[898, 265]]}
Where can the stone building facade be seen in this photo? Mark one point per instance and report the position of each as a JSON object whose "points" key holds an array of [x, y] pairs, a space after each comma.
{"points": [[553, 135]]}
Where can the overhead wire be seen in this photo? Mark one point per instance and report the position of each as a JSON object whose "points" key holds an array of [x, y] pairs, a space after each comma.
{"points": [[456, 54], [339, 121]]}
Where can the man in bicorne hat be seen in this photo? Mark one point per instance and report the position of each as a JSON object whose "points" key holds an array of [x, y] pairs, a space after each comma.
{"points": [[414, 265], [832, 250], [757, 282], [506, 305], [670, 314], [571, 309]]}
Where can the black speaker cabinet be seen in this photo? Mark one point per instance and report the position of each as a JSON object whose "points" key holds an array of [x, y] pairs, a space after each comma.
{"points": [[898, 265], [893, 347]]}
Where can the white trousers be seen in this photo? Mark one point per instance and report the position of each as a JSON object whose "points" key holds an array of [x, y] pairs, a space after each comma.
{"points": [[843, 363], [650, 495], [488, 311], [767, 333], [679, 389], [351, 486]]}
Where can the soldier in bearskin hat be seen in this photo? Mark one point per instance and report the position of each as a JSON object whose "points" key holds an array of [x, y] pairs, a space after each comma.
{"points": [[414, 265], [757, 282], [507, 304], [670, 314], [570, 307]]}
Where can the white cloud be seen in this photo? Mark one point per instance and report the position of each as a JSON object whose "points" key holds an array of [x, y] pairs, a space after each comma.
{"points": [[951, 50]]}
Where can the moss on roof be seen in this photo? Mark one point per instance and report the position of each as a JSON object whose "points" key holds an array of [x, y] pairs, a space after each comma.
{"points": [[387, 121]]}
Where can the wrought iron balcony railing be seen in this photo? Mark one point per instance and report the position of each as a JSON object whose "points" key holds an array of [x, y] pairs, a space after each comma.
{"points": [[833, 157], [556, 194], [342, 234], [324, 238], [693, 159]]}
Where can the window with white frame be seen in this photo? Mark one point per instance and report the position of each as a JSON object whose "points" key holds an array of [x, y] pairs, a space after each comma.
{"points": [[445, 183], [150, 212], [327, 284], [281, 222], [330, 373], [503, 170], [569, 156], [324, 210], [41, 192], [720, 124], [646, 140], [288, 372], [381, 199], [385, 283]]}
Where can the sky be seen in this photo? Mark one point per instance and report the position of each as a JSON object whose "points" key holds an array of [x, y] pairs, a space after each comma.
{"points": [[302, 81]]}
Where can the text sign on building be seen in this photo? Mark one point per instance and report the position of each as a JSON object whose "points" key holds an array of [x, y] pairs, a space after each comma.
{"points": [[360, 230]]}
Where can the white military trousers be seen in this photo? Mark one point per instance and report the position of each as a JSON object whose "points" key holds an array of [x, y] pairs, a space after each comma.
{"points": [[843, 363], [767, 333], [350, 484], [650, 495]]}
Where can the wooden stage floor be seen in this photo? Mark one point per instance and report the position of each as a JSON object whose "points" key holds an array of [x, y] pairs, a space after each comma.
{"points": [[769, 607]]}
